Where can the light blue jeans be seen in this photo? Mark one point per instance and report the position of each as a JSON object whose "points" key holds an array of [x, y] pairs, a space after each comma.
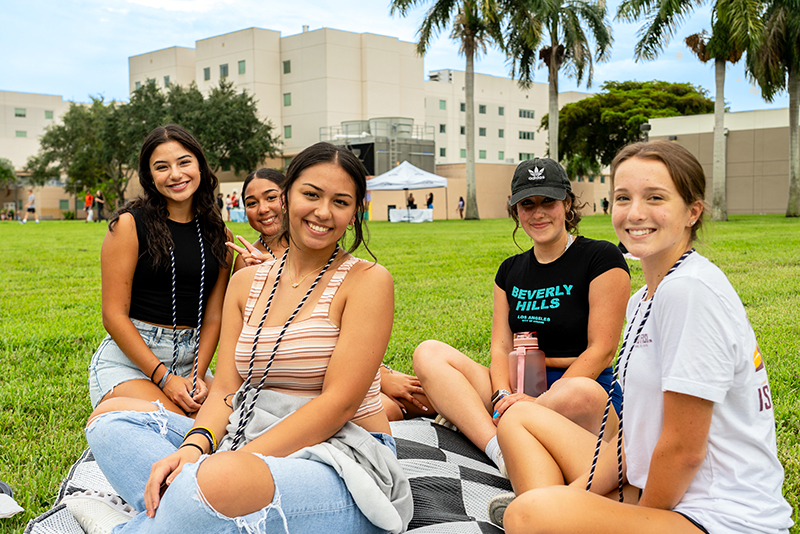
{"points": [[309, 496], [110, 367]]}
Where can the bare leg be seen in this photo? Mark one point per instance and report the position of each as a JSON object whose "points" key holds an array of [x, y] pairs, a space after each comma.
{"points": [[568, 510], [542, 448], [145, 390], [254, 486], [459, 388], [583, 401]]}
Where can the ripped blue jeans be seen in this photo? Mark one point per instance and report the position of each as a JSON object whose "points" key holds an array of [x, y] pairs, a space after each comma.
{"points": [[309, 496]]}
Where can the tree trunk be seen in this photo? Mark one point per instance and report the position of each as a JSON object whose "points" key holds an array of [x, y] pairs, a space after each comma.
{"points": [[719, 203], [469, 86], [793, 209], [552, 119]]}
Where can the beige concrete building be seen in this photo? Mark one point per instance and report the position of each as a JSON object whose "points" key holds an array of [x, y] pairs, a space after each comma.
{"points": [[23, 119], [757, 152], [357, 89], [174, 65]]}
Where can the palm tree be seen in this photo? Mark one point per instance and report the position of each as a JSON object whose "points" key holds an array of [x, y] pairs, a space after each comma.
{"points": [[736, 24], [526, 25], [473, 30], [722, 50], [775, 63]]}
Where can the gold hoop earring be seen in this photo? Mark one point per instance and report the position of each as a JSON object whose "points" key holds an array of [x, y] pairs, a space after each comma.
{"points": [[571, 217], [283, 209]]}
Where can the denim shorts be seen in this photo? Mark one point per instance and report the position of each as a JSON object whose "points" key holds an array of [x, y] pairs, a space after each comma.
{"points": [[110, 367]]}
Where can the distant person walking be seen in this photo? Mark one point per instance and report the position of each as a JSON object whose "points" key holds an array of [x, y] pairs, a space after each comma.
{"points": [[87, 206], [461, 207], [100, 203], [411, 202], [228, 206], [30, 207], [605, 206], [429, 201]]}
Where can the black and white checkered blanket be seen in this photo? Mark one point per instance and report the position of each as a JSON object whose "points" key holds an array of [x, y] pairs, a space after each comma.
{"points": [[452, 482]]}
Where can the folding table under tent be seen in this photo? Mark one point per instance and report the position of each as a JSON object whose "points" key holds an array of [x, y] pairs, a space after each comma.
{"points": [[405, 177]]}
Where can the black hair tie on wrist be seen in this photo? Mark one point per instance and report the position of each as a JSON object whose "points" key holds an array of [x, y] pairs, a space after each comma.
{"points": [[195, 445], [153, 374]]}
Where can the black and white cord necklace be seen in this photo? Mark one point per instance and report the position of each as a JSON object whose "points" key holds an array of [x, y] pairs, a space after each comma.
{"points": [[621, 380], [264, 244], [173, 368], [247, 383]]}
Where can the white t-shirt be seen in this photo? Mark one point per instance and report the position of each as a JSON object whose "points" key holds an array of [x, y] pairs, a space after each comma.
{"points": [[698, 341]]}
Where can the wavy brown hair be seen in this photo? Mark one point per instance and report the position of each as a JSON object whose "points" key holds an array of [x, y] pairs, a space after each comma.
{"points": [[153, 206]]}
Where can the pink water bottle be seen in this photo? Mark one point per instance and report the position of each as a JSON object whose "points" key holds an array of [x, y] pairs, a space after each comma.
{"points": [[526, 366]]}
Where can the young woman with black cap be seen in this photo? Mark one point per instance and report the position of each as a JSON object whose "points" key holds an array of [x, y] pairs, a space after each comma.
{"points": [[570, 289]]}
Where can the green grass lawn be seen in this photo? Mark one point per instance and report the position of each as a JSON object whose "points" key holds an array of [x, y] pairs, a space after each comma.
{"points": [[50, 322]]}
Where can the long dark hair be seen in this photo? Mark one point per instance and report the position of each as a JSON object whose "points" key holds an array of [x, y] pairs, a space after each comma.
{"points": [[344, 158], [153, 206]]}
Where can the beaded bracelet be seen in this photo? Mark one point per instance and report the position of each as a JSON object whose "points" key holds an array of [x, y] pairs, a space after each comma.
{"points": [[195, 445], [153, 374], [205, 432]]}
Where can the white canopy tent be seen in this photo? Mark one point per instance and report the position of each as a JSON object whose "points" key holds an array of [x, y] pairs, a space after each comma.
{"points": [[404, 177]]}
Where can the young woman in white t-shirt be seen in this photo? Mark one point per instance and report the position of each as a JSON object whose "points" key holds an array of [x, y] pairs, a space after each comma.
{"points": [[699, 451]]}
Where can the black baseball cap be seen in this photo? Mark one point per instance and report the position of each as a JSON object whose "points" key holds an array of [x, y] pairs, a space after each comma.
{"points": [[542, 177]]}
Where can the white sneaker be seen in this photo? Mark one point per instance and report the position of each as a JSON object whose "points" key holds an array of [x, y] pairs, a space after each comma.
{"points": [[441, 421], [98, 512], [498, 505]]}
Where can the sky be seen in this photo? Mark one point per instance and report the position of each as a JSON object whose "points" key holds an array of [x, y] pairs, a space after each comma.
{"points": [[80, 48]]}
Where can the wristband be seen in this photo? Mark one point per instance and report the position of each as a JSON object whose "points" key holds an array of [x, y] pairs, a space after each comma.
{"points": [[164, 379], [207, 433], [198, 447], [499, 394], [153, 374]]}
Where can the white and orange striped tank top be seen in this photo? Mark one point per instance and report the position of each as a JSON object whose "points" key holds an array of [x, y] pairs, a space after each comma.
{"points": [[303, 355]]}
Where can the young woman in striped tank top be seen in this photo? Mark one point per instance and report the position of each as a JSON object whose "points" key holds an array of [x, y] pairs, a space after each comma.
{"points": [[296, 378]]}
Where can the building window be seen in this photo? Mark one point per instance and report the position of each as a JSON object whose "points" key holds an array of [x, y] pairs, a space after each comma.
{"points": [[287, 132], [223, 70], [442, 128], [463, 106], [442, 152], [482, 109], [287, 99], [287, 66], [463, 130], [48, 114], [442, 104], [63, 204], [482, 132], [166, 81], [525, 156], [207, 73], [501, 155], [287, 162], [602, 178], [526, 135], [501, 111], [481, 154], [501, 133], [241, 67], [21, 133], [137, 85], [526, 114], [19, 112], [463, 153]]}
